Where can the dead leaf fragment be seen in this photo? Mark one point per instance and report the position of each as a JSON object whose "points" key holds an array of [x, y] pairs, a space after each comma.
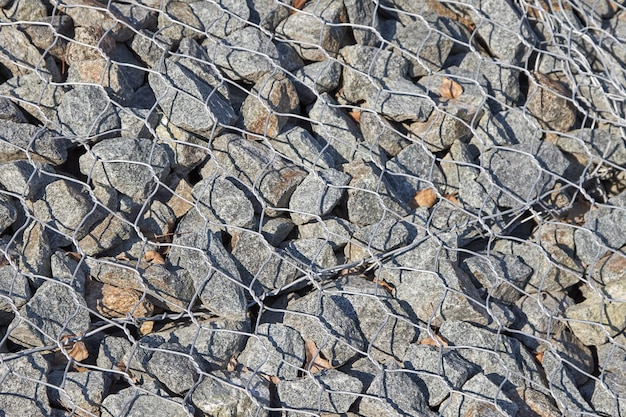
{"points": [[298, 4], [154, 257], [356, 115], [314, 360], [436, 341], [539, 356], [451, 199], [450, 89], [424, 198]]}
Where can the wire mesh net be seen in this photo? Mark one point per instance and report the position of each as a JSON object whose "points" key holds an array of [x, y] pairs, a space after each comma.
{"points": [[317, 207]]}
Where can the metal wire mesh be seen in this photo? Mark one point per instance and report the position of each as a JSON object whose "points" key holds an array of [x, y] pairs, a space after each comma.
{"points": [[312, 207]]}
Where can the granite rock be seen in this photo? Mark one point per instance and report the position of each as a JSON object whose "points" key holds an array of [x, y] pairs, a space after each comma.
{"points": [[223, 203], [317, 78], [21, 390], [132, 166], [315, 393], [54, 311], [298, 145], [14, 292], [83, 391], [441, 370], [265, 110], [315, 30], [245, 55], [199, 253], [233, 393], [188, 101], [317, 195], [259, 168], [24, 141], [274, 349]]}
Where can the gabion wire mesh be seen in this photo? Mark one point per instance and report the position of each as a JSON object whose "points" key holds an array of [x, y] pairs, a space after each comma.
{"points": [[317, 207]]}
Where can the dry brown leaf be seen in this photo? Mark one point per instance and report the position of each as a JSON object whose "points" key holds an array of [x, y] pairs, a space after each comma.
{"points": [[232, 364], [451, 199], [154, 257], [424, 198], [432, 342], [539, 356], [387, 286], [76, 349], [356, 115], [146, 327], [314, 360], [297, 4], [450, 89]]}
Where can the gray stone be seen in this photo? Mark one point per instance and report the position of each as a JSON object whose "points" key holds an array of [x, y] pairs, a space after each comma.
{"points": [[199, 252], [261, 266], [336, 230], [269, 106], [68, 209], [335, 129], [608, 269], [499, 82], [366, 65], [221, 18], [550, 101], [149, 47], [213, 342], [26, 141], [414, 169], [8, 213], [80, 391], [441, 370], [187, 149], [223, 203], [107, 235], [394, 393], [477, 391], [14, 292], [86, 113], [388, 324], [65, 269], [330, 321], [188, 101], [267, 13], [317, 78], [377, 238], [363, 14], [444, 294], [611, 359], [370, 195], [259, 168], [10, 111], [245, 55], [542, 326], [276, 230], [447, 217], [34, 251], [426, 37], [316, 393], [21, 390], [173, 367], [502, 28], [316, 30], [156, 221], [140, 402], [377, 131], [600, 233], [457, 165], [54, 311], [511, 127], [19, 56], [111, 352], [165, 289], [317, 195], [37, 96], [601, 316], [289, 59], [24, 179], [233, 394], [514, 168], [594, 145], [563, 387], [299, 146], [503, 360], [274, 349], [131, 166], [311, 255], [503, 276]]}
